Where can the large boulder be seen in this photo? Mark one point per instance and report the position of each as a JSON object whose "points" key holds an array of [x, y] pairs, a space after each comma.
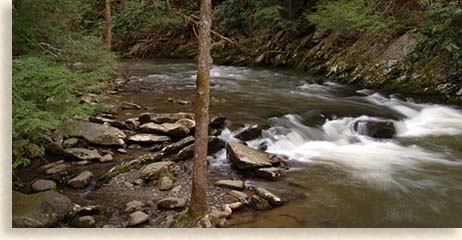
{"points": [[156, 170], [43, 209], [163, 117], [244, 157], [95, 133], [375, 128], [82, 154]]}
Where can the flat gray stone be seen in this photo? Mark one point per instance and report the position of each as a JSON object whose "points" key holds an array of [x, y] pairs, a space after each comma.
{"points": [[43, 185], [81, 180], [137, 218], [244, 157], [95, 133], [82, 154], [171, 203], [272, 198], [144, 138], [156, 170], [232, 184]]}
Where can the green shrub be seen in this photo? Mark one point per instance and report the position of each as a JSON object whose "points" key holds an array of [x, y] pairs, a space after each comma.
{"points": [[345, 15], [441, 32]]}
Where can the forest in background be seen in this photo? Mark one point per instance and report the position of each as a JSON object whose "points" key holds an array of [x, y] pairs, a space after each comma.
{"points": [[59, 51]]}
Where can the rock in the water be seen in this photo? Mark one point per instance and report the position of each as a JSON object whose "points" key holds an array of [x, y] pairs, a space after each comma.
{"points": [[70, 143], [272, 198], [217, 122], [83, 222], [81, 180], [134, 205], [156, 170], [165, 183], [50, 165], [375, 128], [83, 163], [241, 196], [95, 133], [232, 184], [121, 150], [130, 105], [151, 127], [214, 145], [137, 218], [175, 147], [248, 158], [132, 123], [189, 123], [144, 138], [133, 164], [175, 130], [163, 117], [87, 210], [271, 173], [250, 133], [259, 203], [82, 154], [59, 169], [42, 209], [43, 185], [106, 158], [171, 203]]}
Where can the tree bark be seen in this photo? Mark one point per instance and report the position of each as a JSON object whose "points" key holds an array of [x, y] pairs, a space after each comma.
{"points": [[108, 34], [199, 204]]}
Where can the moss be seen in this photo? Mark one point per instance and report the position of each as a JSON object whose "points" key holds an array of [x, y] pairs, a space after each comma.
{"points": [[185, 219]]}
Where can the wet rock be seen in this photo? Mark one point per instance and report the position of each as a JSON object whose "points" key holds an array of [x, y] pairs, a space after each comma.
{"points": [[95, 133], [43, 185], [82, 154], [121, 150], [250, 133], [137, 218], [175, 130], [59, 169], [144, 138], [87, 210], [217, 122], [156, 170], [189, 123], [241, 196], [70, 142], [81, 180], [171, 203], [134, 146], [82, 163], [214, 145], [134, 205], [375, 128], [184, 102], [130, 105], [259, 203], [273, 199], [132, 123], [50, 165], [42, 209], [232, 184], [106, 158], [133, 164], [165, 183], [175, 147], [152, 128], [248, 158], [163, 117], [83, 222], [270, 173]]}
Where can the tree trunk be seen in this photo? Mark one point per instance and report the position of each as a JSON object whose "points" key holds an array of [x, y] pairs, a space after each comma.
{"points": [[199, 204], [108, 35]]}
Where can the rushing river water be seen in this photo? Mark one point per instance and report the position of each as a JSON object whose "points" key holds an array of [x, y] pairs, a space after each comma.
{"points": [[335, 177]]}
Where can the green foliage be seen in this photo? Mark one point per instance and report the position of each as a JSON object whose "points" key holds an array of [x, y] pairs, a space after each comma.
{"points": [[441, 32], [43, 21], [344, 15], [139, 20]]}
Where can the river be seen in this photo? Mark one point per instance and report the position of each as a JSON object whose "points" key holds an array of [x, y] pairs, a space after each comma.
{"points": [[336, 177]]}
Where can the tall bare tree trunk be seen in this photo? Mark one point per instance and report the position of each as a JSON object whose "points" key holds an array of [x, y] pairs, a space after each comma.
{"points": [[108, 35], [199, 204]]}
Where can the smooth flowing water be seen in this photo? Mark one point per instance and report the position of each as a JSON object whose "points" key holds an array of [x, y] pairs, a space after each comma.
{"points": [[336, 177]]}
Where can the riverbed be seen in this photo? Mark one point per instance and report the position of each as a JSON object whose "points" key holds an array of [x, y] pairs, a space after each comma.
{"points": [[336, 177]]}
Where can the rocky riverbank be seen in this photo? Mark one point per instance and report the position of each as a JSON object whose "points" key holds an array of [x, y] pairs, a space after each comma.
{"points": [[104, 171]]}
